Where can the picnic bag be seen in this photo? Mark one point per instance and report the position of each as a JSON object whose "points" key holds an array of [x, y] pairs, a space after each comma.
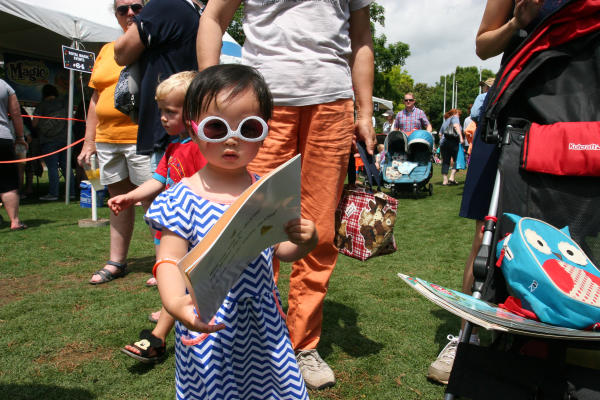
{"points": [[551, 278], [127, 91], [364, 219]]}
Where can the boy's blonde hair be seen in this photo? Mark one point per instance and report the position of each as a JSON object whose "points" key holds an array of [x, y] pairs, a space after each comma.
{"points": [[179, 81]]}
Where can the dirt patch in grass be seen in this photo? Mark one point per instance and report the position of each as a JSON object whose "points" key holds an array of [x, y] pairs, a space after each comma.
{"points": [[15, 289], [74, 355]]}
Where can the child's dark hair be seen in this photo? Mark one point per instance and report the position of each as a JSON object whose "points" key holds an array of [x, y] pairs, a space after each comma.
{"points": [[238, 78]]}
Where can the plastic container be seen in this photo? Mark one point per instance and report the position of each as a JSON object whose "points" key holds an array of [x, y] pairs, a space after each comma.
{"points": [[92, 171], [85, 195]]}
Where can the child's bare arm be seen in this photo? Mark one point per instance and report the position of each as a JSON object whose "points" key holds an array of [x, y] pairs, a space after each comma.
{"points": [[146, 191], [303, 238], [171, 285]]}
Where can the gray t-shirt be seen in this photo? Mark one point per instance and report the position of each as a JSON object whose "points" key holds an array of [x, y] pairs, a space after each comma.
{"points": [[302, 48], [5, 92]]}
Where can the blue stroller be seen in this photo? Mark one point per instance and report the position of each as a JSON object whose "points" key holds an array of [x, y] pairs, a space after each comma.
{"points": [[407, 165]]}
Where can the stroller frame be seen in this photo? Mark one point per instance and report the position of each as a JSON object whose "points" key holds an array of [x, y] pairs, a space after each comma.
{"points": [[562, 34]]}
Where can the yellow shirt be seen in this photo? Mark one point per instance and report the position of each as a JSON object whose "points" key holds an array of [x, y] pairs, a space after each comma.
{"points": [[113, 125]]}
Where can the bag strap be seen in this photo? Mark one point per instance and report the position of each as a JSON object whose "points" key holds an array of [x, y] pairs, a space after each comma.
{"points": [[373, 174]]}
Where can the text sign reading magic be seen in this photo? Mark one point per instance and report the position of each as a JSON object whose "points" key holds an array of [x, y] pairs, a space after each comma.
{"points": [[78, 60]]}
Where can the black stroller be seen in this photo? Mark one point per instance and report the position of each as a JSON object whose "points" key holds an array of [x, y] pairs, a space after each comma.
{"points": [[549, 86]]}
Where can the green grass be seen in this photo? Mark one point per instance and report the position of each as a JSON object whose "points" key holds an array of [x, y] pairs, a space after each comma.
{"points": [[60, 336]]}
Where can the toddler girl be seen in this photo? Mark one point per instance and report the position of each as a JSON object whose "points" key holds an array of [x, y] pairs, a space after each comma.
{"points": [[245, 353]]}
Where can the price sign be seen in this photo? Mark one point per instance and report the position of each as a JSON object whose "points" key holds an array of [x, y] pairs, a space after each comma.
{"points": [[78, 60]]}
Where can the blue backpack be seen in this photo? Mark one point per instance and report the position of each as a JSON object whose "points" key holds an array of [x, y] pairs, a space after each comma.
{"points": [[550, 275]]}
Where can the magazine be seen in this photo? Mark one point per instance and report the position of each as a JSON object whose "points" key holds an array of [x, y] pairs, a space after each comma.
{"points": [[254, 222], [490, 316]]}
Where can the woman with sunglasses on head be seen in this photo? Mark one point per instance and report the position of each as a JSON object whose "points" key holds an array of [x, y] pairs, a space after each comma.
{"points": [[111, 136], [227, 107]]}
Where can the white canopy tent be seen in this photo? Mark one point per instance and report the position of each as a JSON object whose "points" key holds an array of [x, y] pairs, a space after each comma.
{"points": [[40, 28], [386, 104]]}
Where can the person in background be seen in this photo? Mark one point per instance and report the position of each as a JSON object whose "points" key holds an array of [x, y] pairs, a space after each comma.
{"points": [[26, 168], [411, 118], [111, 135], [182, 159], [294, 45], [52, 133], [380, 156], [449, 144], [162, 40], [477, 106], [468, 119], [389, 122], [498, 32], [9, 175]]}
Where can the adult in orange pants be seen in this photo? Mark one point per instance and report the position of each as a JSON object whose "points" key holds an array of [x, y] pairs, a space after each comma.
{"points": [[315, 57]]}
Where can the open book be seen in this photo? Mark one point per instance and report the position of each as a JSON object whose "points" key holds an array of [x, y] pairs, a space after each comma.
{"points": [[490, 316], [251, 224]]}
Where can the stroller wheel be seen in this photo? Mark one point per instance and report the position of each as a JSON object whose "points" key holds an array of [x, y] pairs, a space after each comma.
{"points": [[430, 189]]}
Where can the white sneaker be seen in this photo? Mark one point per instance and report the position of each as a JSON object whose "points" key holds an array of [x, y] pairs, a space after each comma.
{"points": [[316, 373], [439, 370]]}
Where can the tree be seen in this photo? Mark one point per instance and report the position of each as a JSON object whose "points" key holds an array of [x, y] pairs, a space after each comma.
{"points": [[235, 28]]}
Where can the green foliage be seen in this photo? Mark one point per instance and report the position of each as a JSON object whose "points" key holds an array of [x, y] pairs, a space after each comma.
{"points": [[60, 336], [235, 28]]}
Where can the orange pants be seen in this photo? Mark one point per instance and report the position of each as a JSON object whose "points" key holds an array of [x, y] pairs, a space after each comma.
{"points": [[323, 135]]}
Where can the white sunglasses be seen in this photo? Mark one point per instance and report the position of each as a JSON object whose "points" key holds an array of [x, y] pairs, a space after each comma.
{"points": [[215, 129]]}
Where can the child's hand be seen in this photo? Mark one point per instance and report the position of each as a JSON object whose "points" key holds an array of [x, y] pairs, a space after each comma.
{"points": [[119, 203], [302, 232], [190, 319]]}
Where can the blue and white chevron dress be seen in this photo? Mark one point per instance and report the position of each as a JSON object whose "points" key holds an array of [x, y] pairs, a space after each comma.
{"points": [[252, 358]]}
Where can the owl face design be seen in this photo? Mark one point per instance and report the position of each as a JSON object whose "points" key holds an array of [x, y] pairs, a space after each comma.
{"points": [[560, 258]]}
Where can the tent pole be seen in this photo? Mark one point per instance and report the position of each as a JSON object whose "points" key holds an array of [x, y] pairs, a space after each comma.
{"points": [[70, 131]]}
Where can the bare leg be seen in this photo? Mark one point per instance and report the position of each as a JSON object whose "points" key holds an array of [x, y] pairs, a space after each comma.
{"points": [[121, 228], [452, 173], [11, 204]]}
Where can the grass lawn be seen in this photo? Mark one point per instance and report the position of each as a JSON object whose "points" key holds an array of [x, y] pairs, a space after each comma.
{"points": [[60, 336]]}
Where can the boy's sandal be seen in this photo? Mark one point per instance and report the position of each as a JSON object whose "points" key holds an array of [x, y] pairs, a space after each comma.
{"points": [[149, 349], [107, 276]]}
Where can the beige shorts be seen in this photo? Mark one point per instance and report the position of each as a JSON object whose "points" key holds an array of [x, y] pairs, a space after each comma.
{"points": [[119, 161]]}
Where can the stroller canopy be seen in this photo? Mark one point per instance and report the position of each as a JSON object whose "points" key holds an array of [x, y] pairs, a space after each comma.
{"points": [[396, 143], [420, 137]]}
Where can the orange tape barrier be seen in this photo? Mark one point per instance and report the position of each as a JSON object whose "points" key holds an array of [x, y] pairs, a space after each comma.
{"points": [[22, 160]]}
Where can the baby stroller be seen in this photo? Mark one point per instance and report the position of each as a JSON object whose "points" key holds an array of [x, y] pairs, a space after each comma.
{"points": [[407, 164], [549, 89]]}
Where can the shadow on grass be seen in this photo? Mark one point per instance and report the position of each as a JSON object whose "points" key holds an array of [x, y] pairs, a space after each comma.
{"points": [[141, 264], [339, 328], [31, 223], [35, 391], [449, 325]]}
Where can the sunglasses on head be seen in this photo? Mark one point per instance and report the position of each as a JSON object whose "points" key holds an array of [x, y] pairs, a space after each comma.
{"points": [[409, 100], [124, 9], [216, 129]]}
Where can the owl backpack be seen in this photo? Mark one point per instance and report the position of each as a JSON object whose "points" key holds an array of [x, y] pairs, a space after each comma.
{"points": [[548, 274]]}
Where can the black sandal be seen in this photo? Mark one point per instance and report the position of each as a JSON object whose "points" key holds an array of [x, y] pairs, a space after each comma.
{"points": [[107, 276], [151, 348]]}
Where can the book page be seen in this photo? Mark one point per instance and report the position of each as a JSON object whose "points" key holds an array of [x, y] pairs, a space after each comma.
{"points": [[489, 315], [251, 224]]}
